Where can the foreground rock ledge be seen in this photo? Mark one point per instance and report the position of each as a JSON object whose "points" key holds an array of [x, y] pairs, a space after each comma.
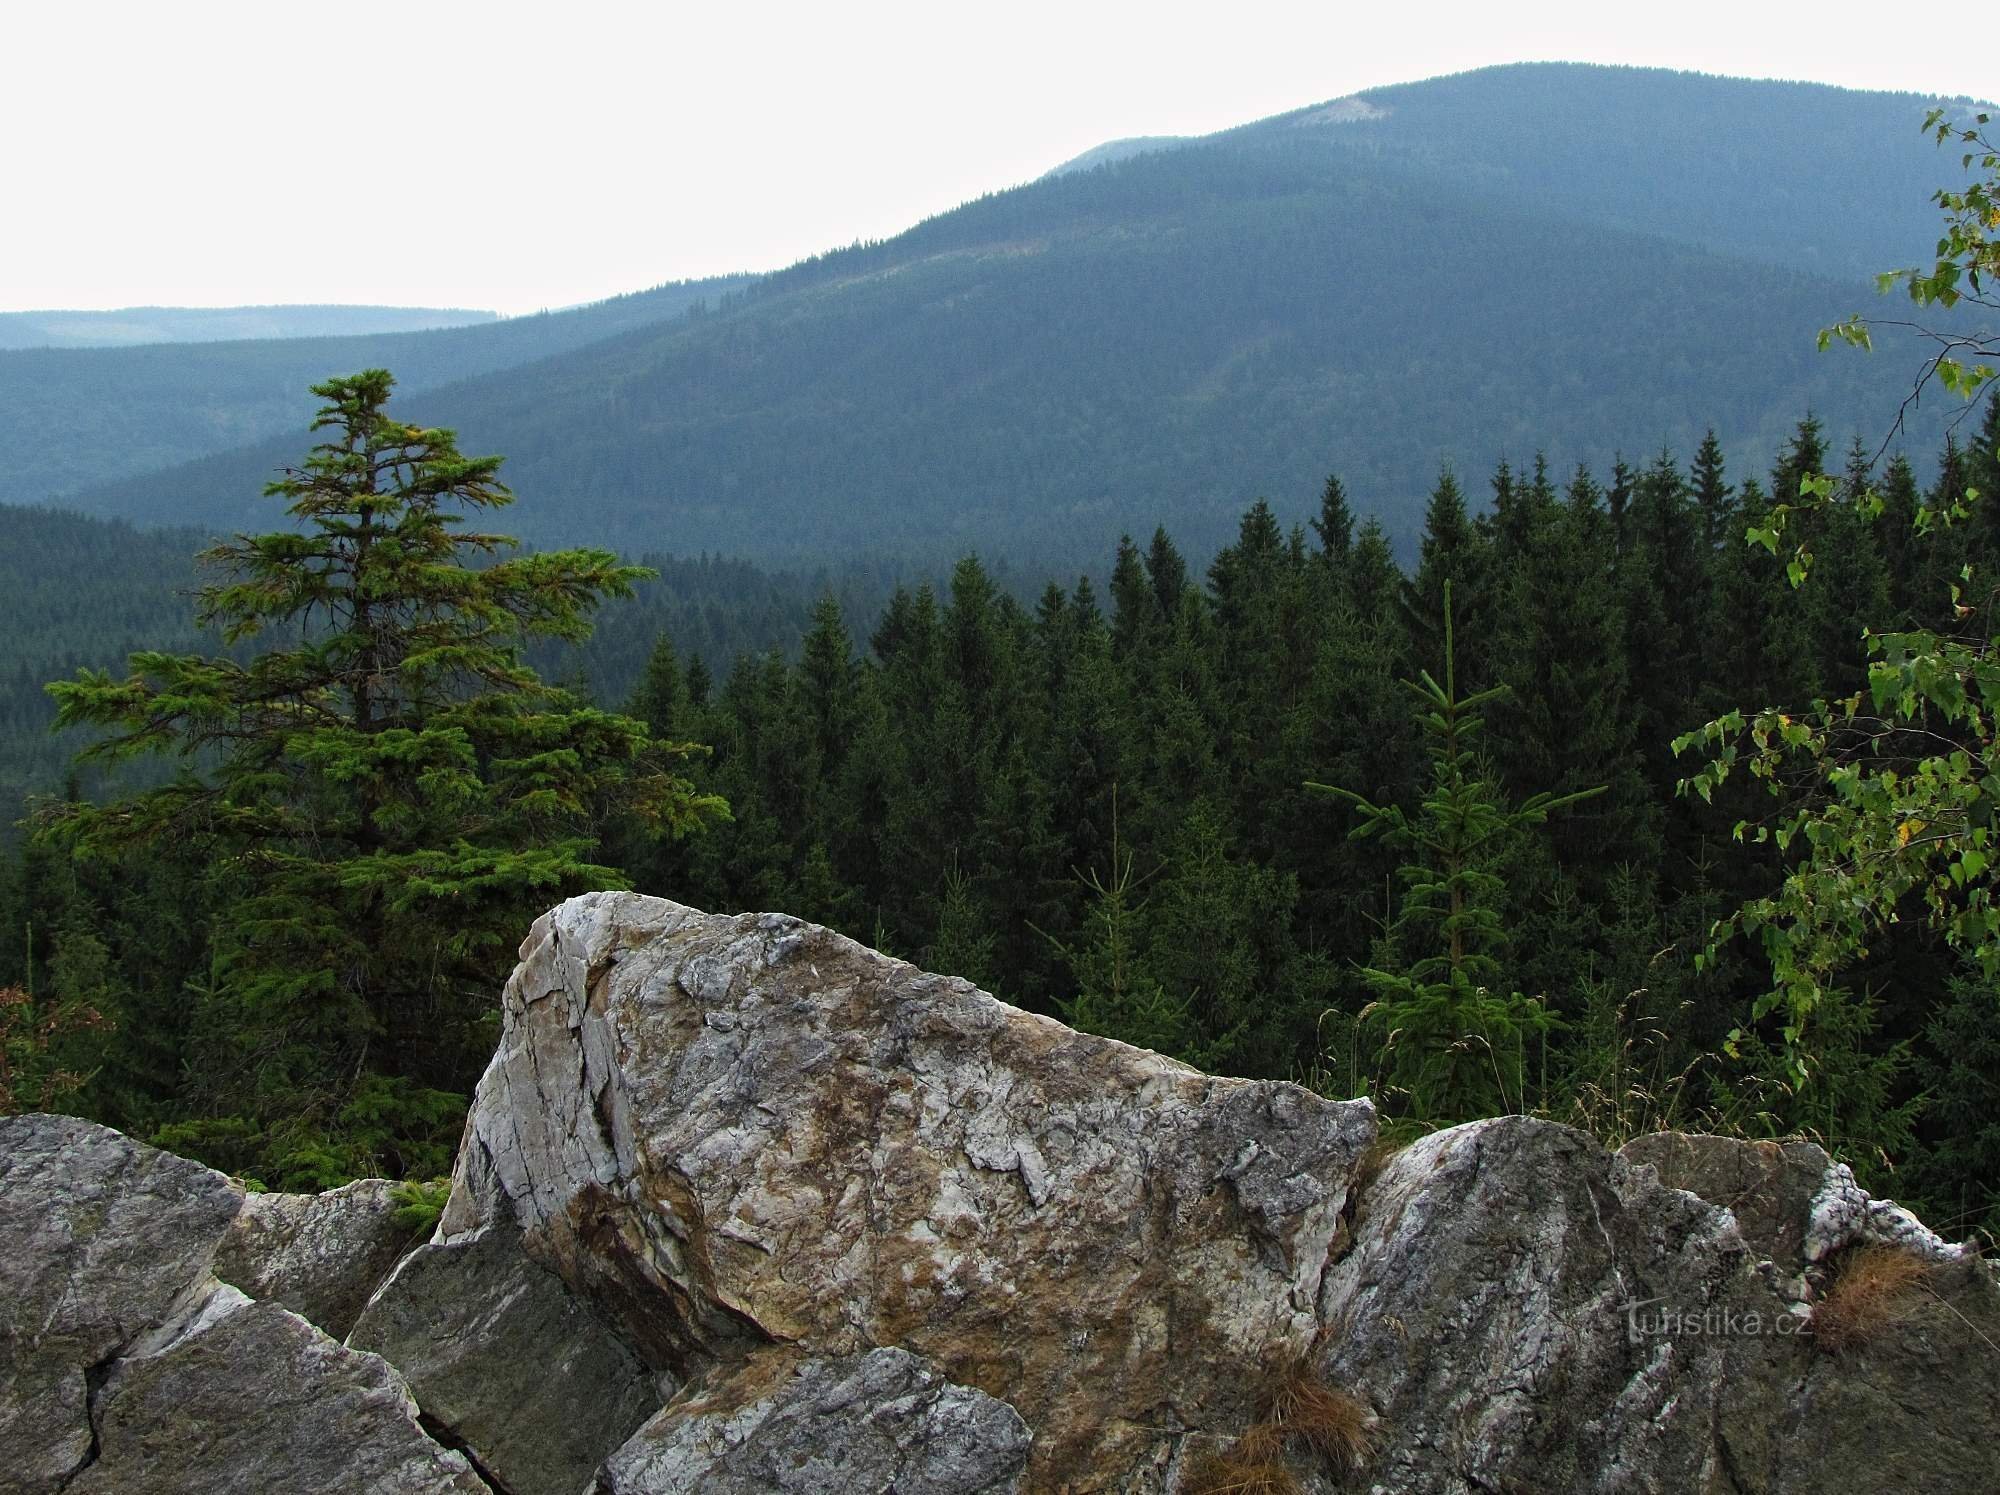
{"points": [[126, 1367], [743, 1205], [738, 1133]]}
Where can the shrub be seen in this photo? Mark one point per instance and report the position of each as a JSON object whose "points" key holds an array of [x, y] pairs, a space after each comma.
{"points": [[33, 1032]]}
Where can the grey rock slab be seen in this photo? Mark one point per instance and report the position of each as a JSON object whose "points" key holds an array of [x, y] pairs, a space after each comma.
{"points": [[858, 1425], [739, 1131], [245, 1398], [1526, 1311], [509, 1363], [101, 1237], [320, 1255], [1769, 1187], [1511, 1309]]}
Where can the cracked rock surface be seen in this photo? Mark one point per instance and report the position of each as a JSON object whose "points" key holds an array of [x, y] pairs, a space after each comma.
{"points": [[126, 1367], [1528, 1312], [99, 1239], [738, 1132], [507, 1362], [744, 1206], [250, 1398], [781, 1425], [320, 1255]]}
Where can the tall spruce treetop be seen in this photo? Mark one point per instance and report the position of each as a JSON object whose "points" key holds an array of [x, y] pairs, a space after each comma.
{"points": [[385, 795], [1335, 522]]}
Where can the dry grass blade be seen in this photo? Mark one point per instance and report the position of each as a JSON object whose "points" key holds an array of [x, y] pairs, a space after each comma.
{"points": [[1302, 1413], [1877, 1286]]}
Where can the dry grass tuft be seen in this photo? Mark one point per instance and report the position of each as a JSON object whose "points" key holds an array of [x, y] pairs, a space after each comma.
{"points": [[1877, 1286], [1332, 1423], [1301, 1413], [1232, 1474], [1261, 1444]]}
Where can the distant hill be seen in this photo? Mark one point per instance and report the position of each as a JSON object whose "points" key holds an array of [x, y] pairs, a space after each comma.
{"points": [[135, 325], [1120, 150], [1558, 258], [1831, 180], [70, 417]]}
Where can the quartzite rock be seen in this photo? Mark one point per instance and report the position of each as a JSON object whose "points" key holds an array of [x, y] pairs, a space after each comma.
{"points": [[780, 1425], [509, 1363], [1769, 1187], [738, 1131], [320, 1255], [1487, 1307], [886, 1233], [100, 1237], [1528, 1312], [125, 1367], [247, 1398]]}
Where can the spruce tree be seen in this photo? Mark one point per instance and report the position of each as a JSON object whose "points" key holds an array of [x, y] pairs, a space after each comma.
{"points": [[1712, 495], [385, 796], [1454, 550], [1454, 1038], [1335, 523]]}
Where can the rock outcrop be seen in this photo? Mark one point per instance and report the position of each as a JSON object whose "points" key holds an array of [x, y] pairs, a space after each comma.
{"points": [[101, 1239], [737, 1133], [507, 1361], [246, 1398], [320, 1255], [126, 1367], [745, 1206]]}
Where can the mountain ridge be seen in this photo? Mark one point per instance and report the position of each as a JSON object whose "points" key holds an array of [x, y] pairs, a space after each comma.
{"points": [[1171, 334], [134, 326], [70, 417]]}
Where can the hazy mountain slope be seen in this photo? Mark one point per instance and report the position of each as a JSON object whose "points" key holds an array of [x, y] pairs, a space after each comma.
{"points": [[1799, 174], [75, 416], [1119, 150], [134, 325], [1169, 335], [1158, 340]]}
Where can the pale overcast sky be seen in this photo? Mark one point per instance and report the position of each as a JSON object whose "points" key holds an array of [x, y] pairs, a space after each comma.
{"points": [[507, 156]]}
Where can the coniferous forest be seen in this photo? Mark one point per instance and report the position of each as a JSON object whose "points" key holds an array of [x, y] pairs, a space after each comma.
{"points": [[1301, 811], [1660, 791]]}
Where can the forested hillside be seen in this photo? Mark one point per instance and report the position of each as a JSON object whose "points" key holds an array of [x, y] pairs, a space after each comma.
{"points": [[134, 325], [1097, 805], [1588, 261], [70, 417], [78, 592]]}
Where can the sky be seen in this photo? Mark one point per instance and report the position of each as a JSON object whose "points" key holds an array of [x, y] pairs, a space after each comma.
{"points": [[516, 157]]}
